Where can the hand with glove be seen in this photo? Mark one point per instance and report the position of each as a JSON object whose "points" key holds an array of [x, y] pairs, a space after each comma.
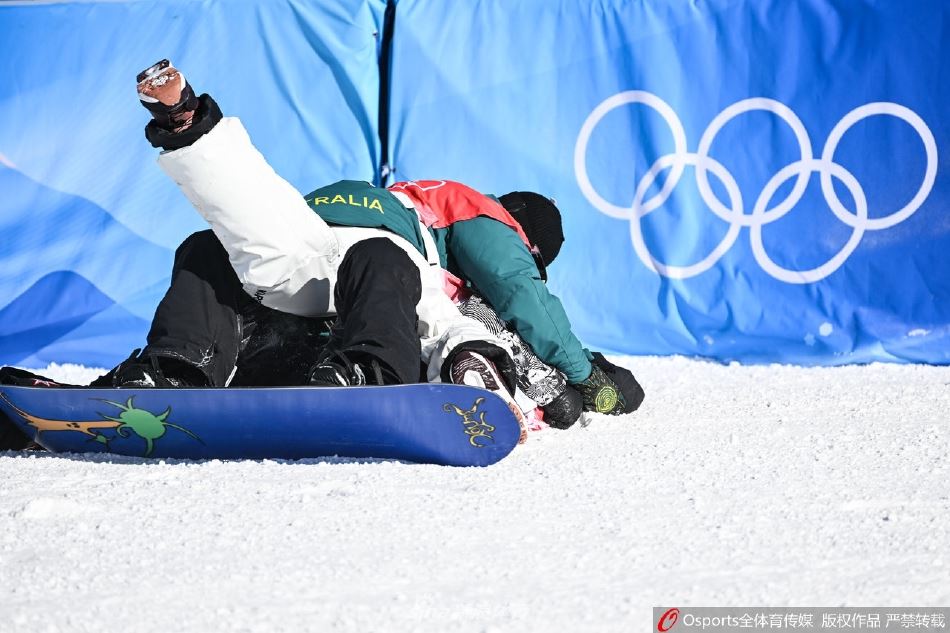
{"points": [[600, 393], [565, 409], [610, 389], [179, 118]]}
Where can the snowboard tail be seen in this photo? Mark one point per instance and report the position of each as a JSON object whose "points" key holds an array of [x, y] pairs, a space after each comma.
{"points": [[438, 423]]}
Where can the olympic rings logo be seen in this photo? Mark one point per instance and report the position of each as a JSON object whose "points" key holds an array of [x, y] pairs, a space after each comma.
{"points": [[762, 212]]}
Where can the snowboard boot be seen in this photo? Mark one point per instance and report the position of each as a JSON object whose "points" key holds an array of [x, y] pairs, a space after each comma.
{"points": [[472, 369], [149, 371], [336, 369]]}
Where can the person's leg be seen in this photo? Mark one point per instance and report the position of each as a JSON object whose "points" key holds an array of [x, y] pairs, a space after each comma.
{"points": [[198, 326], [199, 320], [376, 293]]}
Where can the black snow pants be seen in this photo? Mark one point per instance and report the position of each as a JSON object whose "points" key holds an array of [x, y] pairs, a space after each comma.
{"points": [[207, 320]]}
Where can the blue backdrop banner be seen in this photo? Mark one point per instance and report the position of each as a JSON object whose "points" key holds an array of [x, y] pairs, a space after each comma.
{"points": [[752, 180], [90, 224], [755, 180]]}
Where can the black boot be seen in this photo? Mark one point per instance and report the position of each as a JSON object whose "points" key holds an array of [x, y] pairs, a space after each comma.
{"points": [[336, 369], [150, 371]]}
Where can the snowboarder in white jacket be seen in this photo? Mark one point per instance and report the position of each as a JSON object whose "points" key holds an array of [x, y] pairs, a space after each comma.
{"points": [[390, 308]]}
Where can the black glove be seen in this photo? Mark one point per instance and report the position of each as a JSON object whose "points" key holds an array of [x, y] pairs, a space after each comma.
{"points": [[630, 389], [206, 117], [600, 393], [565, 409]]}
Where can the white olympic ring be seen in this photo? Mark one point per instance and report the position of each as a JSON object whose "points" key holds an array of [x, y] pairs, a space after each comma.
{"points": [[762, 214]]}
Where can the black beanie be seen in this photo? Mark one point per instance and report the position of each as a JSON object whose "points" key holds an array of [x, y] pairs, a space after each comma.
{"points": [[540, 220]]}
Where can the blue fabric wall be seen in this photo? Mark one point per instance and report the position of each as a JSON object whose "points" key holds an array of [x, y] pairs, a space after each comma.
{"points": [[753, 180], [90, 224]]}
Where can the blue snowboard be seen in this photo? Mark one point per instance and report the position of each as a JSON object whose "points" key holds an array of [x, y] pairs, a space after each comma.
{"points": [[446, 424]]}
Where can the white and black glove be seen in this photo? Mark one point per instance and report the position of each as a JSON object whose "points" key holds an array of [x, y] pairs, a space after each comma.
{"points": [[565, 409]]}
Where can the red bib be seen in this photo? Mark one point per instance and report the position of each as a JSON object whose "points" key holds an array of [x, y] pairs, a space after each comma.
{"points": [[441, 203]]}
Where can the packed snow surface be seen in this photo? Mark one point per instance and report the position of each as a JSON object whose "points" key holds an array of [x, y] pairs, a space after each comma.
{"points": [[732, 486]]}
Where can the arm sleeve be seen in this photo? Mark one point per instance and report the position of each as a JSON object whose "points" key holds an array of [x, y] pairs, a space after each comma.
{"points": [[495, 260], [282, 252]]}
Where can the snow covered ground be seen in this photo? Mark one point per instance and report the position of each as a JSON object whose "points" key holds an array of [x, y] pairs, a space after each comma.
{"points": [[735, 486]]}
